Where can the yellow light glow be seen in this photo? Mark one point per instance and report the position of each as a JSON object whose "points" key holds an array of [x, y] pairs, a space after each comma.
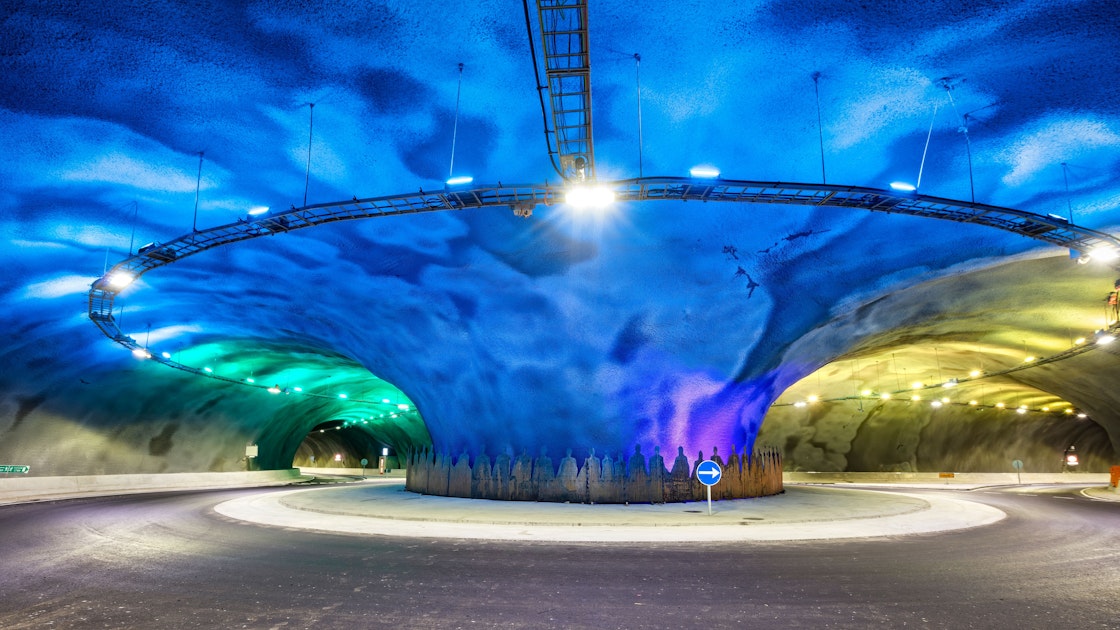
{"points": [[885, 396], [866, 392], [974, 402], [1078, 341], [1028, 360], [1000, 405], [916, 385], [813, 398], [915, 398], [974, 373], [935, 404]]}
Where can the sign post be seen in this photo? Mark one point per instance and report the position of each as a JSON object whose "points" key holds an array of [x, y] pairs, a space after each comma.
{"points": [[1018, 466], [365, 462], [9, 469], [709, 473]]}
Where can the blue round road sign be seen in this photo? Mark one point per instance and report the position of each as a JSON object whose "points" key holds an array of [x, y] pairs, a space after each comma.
{"points": [[709, 472]]}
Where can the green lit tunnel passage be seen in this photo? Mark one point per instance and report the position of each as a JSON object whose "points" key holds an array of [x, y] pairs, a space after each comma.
{"points": [[344, 444], [296, 402]]}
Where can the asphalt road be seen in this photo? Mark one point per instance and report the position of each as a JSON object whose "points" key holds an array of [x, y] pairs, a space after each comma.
{"points": [[169, 561]]}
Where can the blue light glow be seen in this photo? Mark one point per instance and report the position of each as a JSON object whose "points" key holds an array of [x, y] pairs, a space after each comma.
{"points": [[704, 172], [680, 327]]}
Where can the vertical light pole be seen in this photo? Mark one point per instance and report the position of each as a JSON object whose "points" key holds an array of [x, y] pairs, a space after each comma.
{"points": [[455, 127], [310, 135], [638, 84], [820, 130], [945, 83], [1065, 178], [197, 187], [132, 239]]}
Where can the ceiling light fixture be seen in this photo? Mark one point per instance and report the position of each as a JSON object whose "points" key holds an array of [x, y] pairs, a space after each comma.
{"points": [[704, 172], [120, 280], [589, 197]]}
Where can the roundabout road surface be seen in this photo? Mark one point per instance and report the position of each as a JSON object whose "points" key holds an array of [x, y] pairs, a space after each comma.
{"points": [[171, 561]]}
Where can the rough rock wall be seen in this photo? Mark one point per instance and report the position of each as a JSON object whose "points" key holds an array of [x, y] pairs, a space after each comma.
{"points": [[898, 436]]}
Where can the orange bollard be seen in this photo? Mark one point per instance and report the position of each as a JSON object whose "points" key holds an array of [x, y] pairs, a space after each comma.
{"points": [[1114, 477]]}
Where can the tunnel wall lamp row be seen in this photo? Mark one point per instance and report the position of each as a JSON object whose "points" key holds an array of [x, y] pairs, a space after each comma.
{"points": [[165, 358], [1102, 337]]}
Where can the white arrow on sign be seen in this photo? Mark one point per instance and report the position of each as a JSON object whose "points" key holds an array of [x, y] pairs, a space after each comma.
{"points": [[709, 472]]}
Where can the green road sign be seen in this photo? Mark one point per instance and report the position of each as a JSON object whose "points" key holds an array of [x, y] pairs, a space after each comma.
{"points": [[14, 470]]}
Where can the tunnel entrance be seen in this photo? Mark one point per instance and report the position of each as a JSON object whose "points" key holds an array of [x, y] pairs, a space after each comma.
{"points": [[341, 444]]}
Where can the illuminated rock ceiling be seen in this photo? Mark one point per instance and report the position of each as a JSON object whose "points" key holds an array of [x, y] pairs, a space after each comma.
{"points": [[656, 323]]}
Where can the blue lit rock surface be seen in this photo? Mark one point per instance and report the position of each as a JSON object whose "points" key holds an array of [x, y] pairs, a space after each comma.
{"points": [[562, 330]]}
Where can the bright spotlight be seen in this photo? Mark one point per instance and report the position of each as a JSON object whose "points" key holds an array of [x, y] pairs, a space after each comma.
{"points": [[903, 187], [916, 385], [120, 280], [460, 180], [166, 355], [936, 404], [704, 172], [973, 403], [257, 210], [597, 197], [799, 404], [1078, 341], [866, 392], [275, 389], [1104, 253], [141, 353], [1104, 340], [812, 398], [915, 398], [974, 373], [885, 396], [402, 407]]}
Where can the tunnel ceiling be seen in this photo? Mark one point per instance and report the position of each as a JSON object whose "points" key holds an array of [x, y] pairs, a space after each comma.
{"points": [[656, 323]]}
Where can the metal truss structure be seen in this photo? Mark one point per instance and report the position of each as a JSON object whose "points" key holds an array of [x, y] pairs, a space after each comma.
{"points": [[523, 198], [567, 61]]}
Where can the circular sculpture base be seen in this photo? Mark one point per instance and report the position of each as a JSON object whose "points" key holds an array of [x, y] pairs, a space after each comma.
{"points": [[598, 480]]}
